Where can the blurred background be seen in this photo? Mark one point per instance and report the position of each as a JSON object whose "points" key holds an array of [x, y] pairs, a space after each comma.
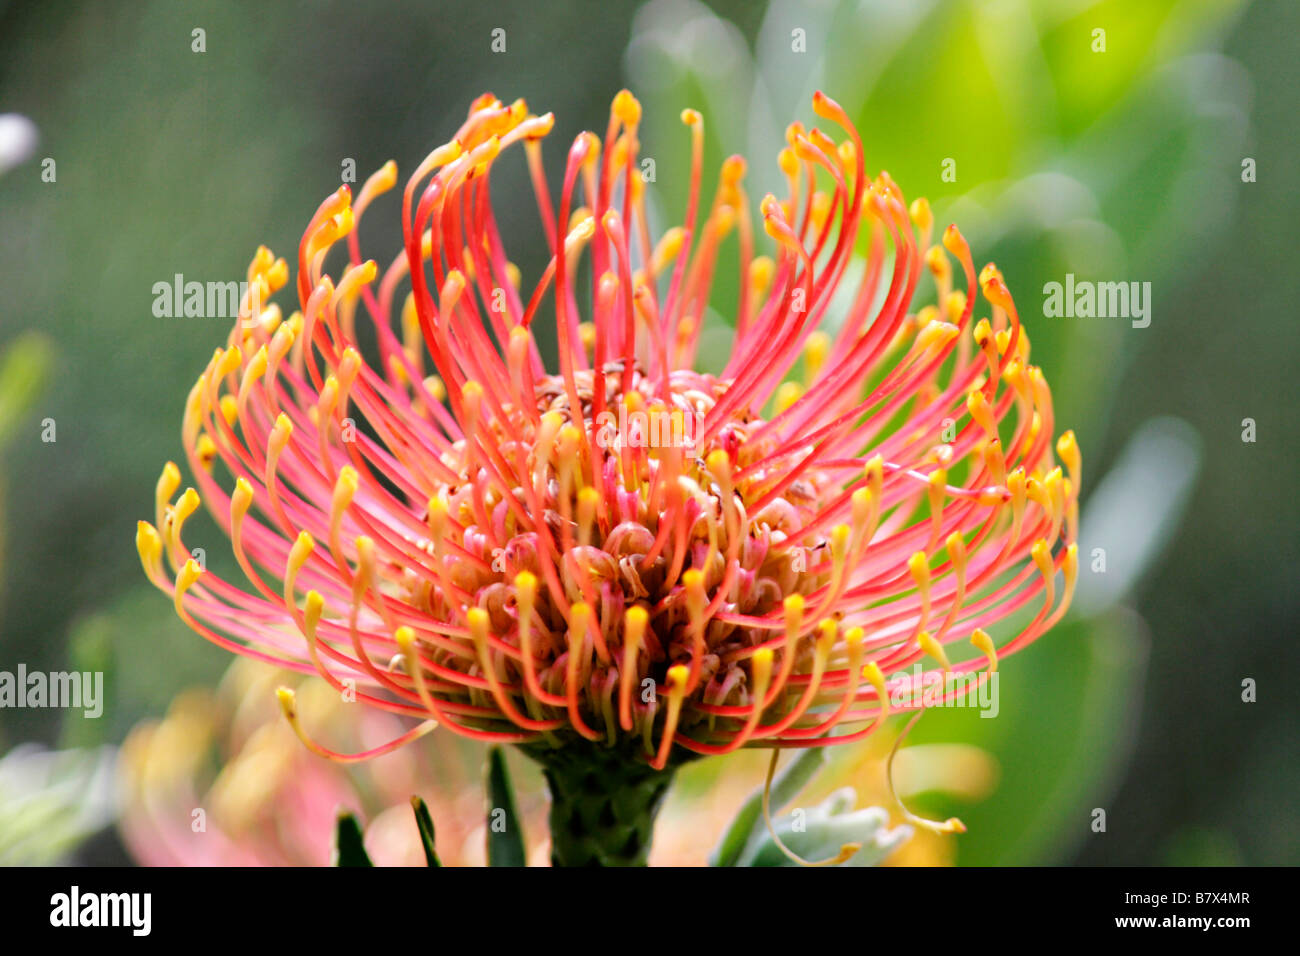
{"points": [[1162, 150]]}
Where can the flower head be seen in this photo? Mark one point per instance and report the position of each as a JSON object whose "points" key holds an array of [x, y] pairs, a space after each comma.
{"points": [[615, 547]]}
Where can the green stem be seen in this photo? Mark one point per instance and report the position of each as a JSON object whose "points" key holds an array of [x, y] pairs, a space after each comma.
{"points": [[603, 805]]}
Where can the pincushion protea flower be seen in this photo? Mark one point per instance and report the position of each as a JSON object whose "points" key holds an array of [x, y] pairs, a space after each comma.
{"points": [[484, 549]]}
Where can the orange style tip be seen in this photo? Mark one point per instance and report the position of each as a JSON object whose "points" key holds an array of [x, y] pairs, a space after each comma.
{"points": [[303, 545], [453, 283], [982, 641], [825, 107], [803, 149], [190, 573], [787, 163], [626, 108], [723, 221], [634, 401], [404, 637], [148, 542], [477, 619], [286, 698], [876, 678], [637, 617], [956, 545], [347, 481], [584, 229], [229, 361], [243, 493], [187, 503], [823, 142], [954, 241], [995, 290], [693, 579], [930, 646], [936, 261], [545, 123], [1042, 558], [840, 539], [606, 289], [691, 117], [168, 482], [733, 170], [719, 463], [1067, 446], [920, 213]]}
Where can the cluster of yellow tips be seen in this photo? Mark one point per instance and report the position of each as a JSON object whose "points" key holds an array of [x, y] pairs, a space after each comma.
{"points": [[621, 550]]}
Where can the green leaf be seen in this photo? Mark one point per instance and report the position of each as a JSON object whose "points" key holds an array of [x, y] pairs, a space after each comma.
{"points": [[24, 370], [748, 822], [425, 824], [505, 836], [349, 847]]}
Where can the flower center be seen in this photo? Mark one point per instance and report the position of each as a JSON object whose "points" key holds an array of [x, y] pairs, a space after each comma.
{"points": [[663, 528]]}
